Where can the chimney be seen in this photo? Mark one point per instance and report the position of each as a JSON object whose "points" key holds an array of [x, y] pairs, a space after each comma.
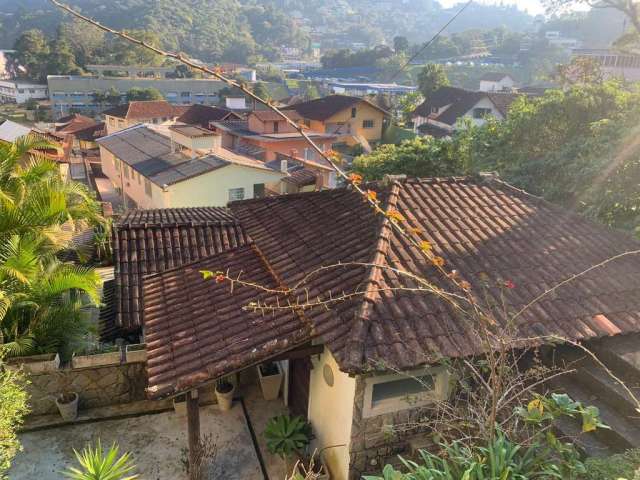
{"points": [[284, 165]]}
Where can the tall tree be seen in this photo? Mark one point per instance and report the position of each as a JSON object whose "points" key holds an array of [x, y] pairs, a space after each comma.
{"points": [[400, 44], [430, 78], [137, 94], [61, 59], [32, 50]]}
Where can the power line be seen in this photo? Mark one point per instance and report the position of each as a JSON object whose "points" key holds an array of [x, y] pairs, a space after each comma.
{"points": [[433, 39]]}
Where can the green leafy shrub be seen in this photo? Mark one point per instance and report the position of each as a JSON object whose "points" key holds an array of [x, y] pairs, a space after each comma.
{"points": [[13, 408], [622, 465], [287, 436], [98, 464]]}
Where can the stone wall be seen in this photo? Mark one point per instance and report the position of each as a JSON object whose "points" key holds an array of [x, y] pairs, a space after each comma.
{"points": [[373, 440], [96, 386]]}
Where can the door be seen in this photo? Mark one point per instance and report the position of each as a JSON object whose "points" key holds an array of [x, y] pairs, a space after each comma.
{"points": [[299, 378]]}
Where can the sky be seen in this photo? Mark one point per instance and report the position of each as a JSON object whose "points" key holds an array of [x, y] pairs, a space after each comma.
{"points": [[534, 7]]}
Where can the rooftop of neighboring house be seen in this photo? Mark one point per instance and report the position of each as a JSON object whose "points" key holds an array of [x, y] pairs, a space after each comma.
{"points": [[240, 128], [271, 116], [495, 76], [143, 110], [10, 131], [509, 246], [326, 107], [202, 115], [448, 104], [152, 155], [80, 126]]}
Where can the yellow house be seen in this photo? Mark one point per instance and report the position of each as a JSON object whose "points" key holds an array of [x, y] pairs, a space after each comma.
{"points": [[181, 166], [354, 120]]}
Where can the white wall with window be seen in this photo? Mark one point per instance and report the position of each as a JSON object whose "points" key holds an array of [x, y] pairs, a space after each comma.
{"points": [[396, 392]]}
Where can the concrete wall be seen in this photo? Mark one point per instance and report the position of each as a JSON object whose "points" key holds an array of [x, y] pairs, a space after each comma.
{"points": [[96, 386], [212, 189], [331, 412], [364, 111]]}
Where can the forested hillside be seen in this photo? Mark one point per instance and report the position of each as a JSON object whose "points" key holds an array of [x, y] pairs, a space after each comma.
{"points": [[235, 29]]}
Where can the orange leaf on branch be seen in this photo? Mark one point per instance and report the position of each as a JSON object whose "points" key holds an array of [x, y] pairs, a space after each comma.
{"points": [[395, 216], [438, 261], [355, 179]]}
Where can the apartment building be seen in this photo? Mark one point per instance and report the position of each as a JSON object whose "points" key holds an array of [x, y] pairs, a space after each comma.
{"points": [[14, 91], [76, 93]]}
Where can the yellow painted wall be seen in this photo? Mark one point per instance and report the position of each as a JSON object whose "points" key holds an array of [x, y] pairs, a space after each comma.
{"points": [[212, 189], [331, 413], [364, 111]]}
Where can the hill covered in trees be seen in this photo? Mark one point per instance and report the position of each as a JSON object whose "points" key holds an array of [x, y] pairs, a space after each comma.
{"points": [[234, 30]]}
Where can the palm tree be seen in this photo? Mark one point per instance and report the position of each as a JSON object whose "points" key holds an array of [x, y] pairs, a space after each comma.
{"points": [[41, 297]]}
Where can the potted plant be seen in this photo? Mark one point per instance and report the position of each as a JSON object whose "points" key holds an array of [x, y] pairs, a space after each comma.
{"points": [[47, 362], [136, 352], [288, 437], [224, 393], [270, 376], [67, 399], [67, 403]]}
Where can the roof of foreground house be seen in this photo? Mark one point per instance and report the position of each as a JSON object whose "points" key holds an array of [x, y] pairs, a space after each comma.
{"points": [[326, 107], [11, 131], [150, 241], [491, 234]]}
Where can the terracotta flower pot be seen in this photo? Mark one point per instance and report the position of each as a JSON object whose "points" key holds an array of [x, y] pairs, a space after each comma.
{"points": [[68, 407]]}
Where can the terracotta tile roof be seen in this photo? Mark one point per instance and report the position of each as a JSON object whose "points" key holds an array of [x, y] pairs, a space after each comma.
{"points": [[269, 116], [150, 241], [197, 330], [301, 177], [503, 101], [484, 229], [201, 115], [142, 110], [326, 107]]}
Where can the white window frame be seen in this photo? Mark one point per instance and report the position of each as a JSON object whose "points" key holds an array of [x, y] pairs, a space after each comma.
{"points": [[441, 383], [233, 194]]}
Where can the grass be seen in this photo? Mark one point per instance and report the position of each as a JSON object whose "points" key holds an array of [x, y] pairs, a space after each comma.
{"points": [[622, 465]]}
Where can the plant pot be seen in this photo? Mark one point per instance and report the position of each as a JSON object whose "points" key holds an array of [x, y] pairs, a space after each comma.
{"points": [[225, 399], [68, 409], [97, 360], [136, 353], [270, 382], [48, 362]]}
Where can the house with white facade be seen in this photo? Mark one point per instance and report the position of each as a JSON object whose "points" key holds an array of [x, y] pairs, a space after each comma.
{"points": [[442, 113], [497, 82], [15, 91], [155, 166]]}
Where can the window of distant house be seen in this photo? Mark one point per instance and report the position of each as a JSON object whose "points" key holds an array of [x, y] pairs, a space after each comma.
{"points": [[117, 163], [368, 123], [126, 172], [481, 112], [185, 94], [354, 112], [275, 127], [147, 188], [236, 194], [258, 190], [391, 393], [139, 180], [112, 121], [434, 109]]}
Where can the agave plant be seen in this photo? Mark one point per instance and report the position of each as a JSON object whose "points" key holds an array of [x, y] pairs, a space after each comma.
{"points": [[287, 436], [97, 464]]}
